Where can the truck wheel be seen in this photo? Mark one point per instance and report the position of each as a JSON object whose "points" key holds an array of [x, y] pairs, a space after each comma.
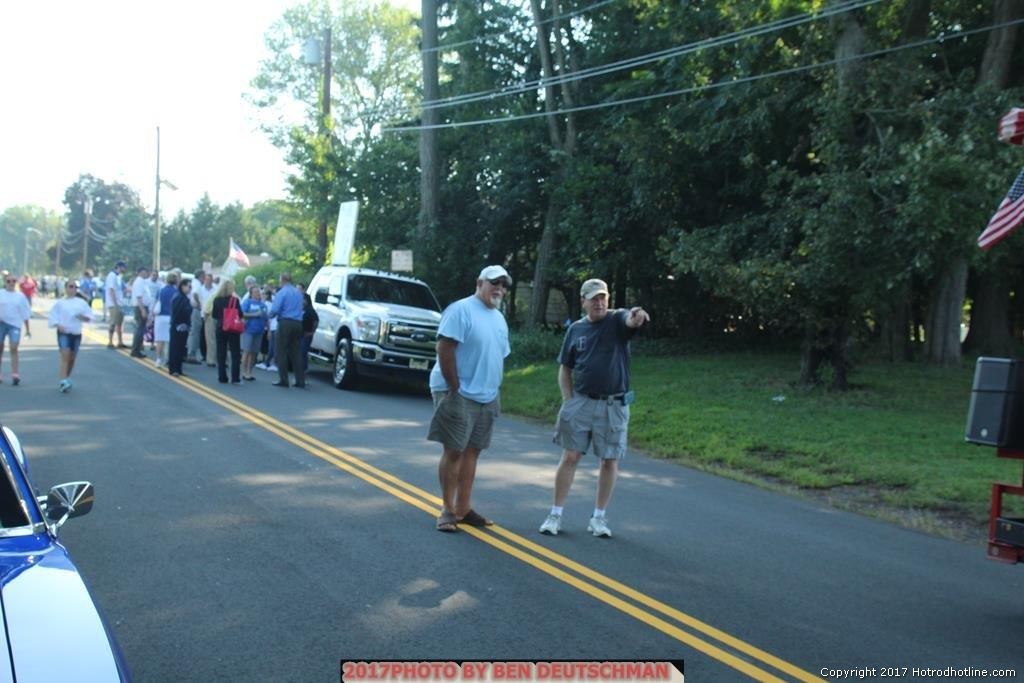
{"points": [[345, 376]]}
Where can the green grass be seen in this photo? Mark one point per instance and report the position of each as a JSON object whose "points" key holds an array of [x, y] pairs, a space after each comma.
{"points": [[892, 445]]}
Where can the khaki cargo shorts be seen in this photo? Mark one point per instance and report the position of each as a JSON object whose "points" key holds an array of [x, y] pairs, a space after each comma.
{"points": [[586, 422], [459, 422], [116, 316]]}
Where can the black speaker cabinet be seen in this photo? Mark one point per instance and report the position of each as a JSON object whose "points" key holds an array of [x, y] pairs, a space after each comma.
{"points": [[996, 415]]}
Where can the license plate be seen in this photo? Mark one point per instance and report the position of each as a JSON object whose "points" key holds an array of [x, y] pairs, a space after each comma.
{"points": [[417, 364]]}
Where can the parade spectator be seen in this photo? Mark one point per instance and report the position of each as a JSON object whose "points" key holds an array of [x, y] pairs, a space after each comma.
{"points": [[28, 287], [593, 376], [162, 319], [195, 330], [255, 310], [113, 297], [67, 315], [268, 363], [14, 312], [226, 341], [206, 294], [181, 321], [310, 320], [472, 344], [87, 287], [140, 295], [287, 309]]}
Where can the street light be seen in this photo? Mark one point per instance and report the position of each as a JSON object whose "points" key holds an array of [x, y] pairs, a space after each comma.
{"points": [[24, 261], [156, 214]]}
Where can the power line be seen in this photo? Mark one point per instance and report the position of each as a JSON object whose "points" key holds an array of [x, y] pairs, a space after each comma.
{"points": [[713, 86], [488, 36], [679, 50]]}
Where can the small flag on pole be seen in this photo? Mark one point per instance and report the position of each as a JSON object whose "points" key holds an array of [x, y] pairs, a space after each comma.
{"points": [[1008, 216], [235, 252], [1011, 127]]}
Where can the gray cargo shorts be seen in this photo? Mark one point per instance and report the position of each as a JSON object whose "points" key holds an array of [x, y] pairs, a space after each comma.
{"points": [[586, 422], [459, 422]]}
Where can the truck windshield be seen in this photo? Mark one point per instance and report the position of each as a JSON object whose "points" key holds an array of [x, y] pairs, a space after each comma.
{"points": [[388, 291]]}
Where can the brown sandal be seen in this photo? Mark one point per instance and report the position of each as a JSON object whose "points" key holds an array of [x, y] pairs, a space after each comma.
{"points": [[447, 523], [474, 518]]}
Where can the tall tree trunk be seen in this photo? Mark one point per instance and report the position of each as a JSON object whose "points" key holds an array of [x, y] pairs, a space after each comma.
{"points": [[563, 144], [942, 327], [430, 161], [990, 315]]}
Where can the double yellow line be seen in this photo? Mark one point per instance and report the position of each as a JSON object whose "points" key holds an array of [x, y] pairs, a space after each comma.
{"points": [[703, 637]]}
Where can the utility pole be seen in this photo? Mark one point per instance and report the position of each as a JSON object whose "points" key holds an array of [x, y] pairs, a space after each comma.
{"points": [[156, 212], [85, 238]]}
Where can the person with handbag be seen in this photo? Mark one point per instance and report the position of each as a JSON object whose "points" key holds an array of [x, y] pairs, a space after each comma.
{"points": [[227, 317], [181, 320]]}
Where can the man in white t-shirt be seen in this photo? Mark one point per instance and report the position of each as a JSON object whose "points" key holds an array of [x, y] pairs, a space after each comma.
{"points": [[472, 344], [113, 293], [204, 294], [14, 312], [195, 330], [140, 294]]}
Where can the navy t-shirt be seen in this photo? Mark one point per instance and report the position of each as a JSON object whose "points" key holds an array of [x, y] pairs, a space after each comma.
{"points": [[598, 354]]}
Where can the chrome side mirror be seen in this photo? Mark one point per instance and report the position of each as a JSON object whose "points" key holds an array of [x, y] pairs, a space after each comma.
{"points": [[65, 501]]}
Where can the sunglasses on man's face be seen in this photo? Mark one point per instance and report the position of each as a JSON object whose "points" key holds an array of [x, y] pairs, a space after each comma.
{"points": [[71, 286], [9, 282], [500, 282]]}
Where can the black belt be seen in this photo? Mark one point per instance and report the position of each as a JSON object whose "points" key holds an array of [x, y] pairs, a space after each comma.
{"points": [[612, 398]]}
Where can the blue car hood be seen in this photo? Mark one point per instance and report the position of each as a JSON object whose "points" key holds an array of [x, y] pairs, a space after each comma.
{"points": [[54, 632]]}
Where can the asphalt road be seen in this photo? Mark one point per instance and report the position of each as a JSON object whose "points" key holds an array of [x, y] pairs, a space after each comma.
{"points": [[254, 533]]}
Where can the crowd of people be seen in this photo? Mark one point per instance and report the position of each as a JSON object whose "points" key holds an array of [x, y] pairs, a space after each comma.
{"points": [[184, 320], [202, 320]]}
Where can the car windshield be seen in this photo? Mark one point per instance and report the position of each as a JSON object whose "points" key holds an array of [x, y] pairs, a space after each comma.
{"points": [[385, 290], [12, 514]]}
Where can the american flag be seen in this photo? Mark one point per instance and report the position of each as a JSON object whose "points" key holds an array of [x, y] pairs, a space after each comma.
{"points": [[1011, 127], [1008, 216], [235, 252]]}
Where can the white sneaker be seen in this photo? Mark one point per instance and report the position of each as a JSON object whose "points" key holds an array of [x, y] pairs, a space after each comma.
{"points": [[599, 527], [261, 366], [65, 386], [159, 362], [272, 368], [552, 525]]}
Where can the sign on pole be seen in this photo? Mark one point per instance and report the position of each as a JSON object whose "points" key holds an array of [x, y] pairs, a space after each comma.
{"points": [[345, 233], [401, 260]]}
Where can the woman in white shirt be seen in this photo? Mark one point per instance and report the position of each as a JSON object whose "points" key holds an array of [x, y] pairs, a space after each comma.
{"points": [[67, 315]]}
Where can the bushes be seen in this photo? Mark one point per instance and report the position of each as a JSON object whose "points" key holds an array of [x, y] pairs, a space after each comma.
{"points": [[538, 346]]}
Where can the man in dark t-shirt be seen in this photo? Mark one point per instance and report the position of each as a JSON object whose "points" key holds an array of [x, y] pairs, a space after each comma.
{"points": [[593, 377]]}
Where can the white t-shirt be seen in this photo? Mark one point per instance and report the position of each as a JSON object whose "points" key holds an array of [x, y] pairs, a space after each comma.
{"points": [[204, 294], [140, 290], [116, 283], [482, 336], [65, 314], [14, 308]]}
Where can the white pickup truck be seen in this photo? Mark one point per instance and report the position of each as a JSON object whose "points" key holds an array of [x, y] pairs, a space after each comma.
{"points": [[373, 323]]}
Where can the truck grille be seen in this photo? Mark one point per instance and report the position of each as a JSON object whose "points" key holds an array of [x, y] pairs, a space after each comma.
{"points": [[409, 336]]}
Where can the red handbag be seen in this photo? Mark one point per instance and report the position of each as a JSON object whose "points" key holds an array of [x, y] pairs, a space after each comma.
{"points": [[231, 318]]}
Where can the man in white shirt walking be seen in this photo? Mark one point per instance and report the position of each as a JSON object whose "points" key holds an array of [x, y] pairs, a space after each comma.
{"points": [[113, 292], [140, 294]]}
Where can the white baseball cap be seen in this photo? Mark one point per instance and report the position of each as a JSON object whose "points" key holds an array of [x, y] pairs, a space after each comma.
{"points": [[495, 272]]}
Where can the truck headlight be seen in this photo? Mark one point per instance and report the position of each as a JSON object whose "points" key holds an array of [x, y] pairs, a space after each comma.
{"points": [[367, 328]]}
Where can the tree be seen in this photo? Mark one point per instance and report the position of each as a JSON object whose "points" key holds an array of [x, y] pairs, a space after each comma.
{"points": [[93, 209]]}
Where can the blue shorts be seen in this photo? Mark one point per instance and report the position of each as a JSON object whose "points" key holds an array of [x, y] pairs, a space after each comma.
{"points": [[71, 342], [10, 331]]}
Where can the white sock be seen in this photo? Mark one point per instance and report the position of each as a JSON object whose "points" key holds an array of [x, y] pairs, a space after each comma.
{"points": [[598, 513], [556, 510]]}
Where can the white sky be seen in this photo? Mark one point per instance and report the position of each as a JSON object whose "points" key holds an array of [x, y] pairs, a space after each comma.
{"points": [[85, 83]]}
